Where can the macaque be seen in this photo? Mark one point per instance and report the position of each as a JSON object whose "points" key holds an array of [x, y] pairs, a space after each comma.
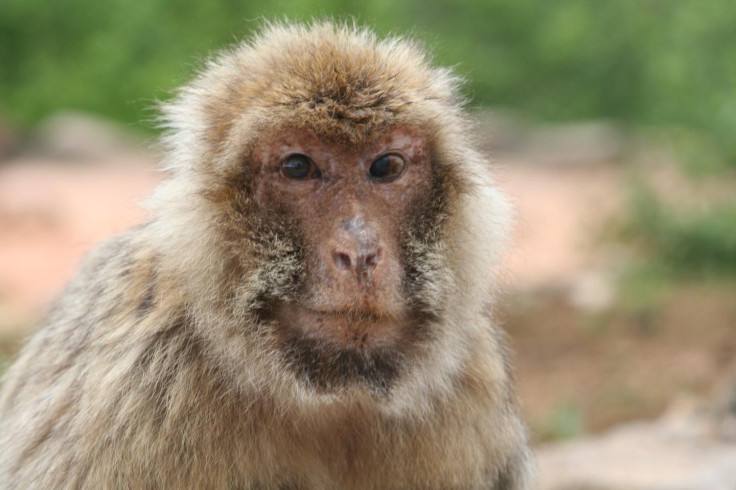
{"points": [[309, 306]]}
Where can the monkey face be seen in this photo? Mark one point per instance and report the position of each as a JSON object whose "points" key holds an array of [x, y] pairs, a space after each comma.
{"points": [[348, 205], [350, 208]]}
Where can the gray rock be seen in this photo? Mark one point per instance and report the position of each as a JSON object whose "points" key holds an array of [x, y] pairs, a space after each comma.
{"points": [[576, 144], [80, 136], [684, 450]]}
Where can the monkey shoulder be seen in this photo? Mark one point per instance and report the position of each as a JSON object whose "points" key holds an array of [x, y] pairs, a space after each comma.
{"points": [[94, 381], [114, 286]]}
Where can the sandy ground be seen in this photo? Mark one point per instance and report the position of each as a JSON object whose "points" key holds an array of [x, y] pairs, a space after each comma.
{"points": [[51, 213], [560, 213]]}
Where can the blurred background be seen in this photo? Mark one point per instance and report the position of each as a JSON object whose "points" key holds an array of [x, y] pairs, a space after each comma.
{"points": [[611, 125]]}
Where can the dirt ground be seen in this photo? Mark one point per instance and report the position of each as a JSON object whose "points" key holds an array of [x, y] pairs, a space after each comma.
{"points": [[582, 373], [584, 361], [51, 213]]}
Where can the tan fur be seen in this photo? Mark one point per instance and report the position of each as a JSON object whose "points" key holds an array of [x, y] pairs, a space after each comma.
{"points": [[155, 370]]}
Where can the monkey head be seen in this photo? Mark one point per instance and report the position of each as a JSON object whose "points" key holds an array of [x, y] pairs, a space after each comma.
{"points": [[326, 201]]}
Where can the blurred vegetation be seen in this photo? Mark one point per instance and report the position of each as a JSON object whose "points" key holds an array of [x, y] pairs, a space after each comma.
{"points": [[648, 62], [690, 243], [566, 421], [663, 64]]}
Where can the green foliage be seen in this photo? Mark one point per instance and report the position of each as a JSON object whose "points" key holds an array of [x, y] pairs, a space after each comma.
{"points": [[642, 61], [695, 243], [565, 422]]}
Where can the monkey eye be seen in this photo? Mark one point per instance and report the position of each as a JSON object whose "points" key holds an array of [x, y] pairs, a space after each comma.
{"points": [[387, 167], [299, 167]]}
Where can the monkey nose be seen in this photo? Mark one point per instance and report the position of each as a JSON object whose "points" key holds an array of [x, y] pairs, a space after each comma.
{"points": [[359, 263], [355, 249]]}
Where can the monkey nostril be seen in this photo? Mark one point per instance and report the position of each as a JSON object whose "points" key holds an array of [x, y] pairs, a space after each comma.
{"points": [[371, 261], [342, 261]]}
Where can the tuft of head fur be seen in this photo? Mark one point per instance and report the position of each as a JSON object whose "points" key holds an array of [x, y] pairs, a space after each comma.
{"points": [[336, 79]]}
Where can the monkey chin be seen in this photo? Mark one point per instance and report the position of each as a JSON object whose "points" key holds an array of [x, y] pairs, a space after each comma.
{"points": [[344, 349]]}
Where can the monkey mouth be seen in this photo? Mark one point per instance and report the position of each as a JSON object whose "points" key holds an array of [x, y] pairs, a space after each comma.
{"points": [[367, 305], [348, 328], [354, 314]]}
